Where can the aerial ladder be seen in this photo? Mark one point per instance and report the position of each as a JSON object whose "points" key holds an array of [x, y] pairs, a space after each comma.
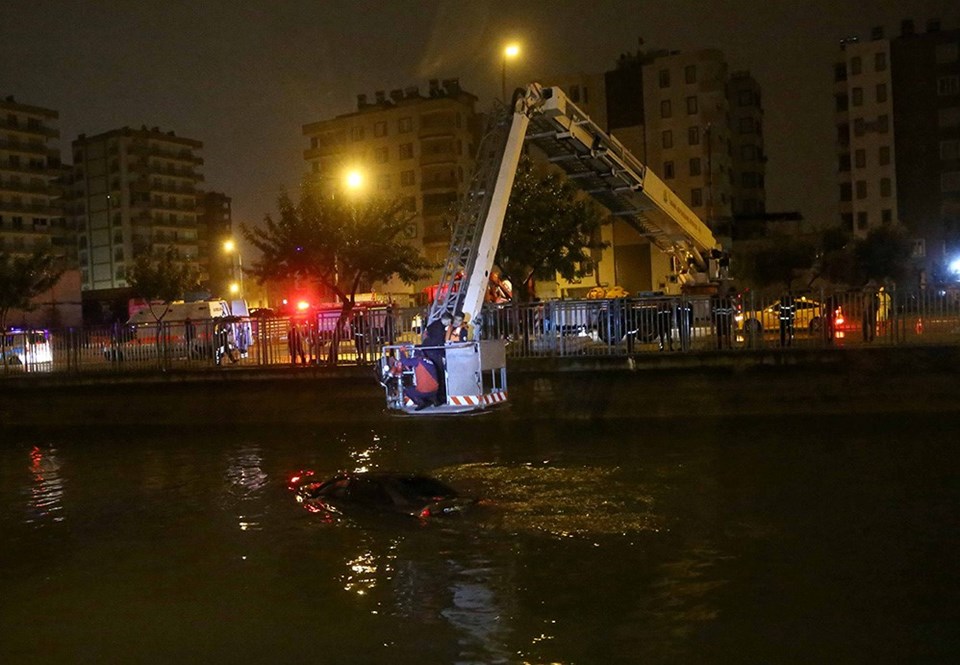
{"points": [[475, 376]]}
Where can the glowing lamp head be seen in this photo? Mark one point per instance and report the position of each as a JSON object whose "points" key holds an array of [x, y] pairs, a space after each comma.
{"points": [[229, 245], [511, 51], [234, 288], [354, 180], [303, 305]]}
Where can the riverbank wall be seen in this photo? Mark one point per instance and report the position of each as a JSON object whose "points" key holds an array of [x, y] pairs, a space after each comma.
{"points": [[690, 386]]}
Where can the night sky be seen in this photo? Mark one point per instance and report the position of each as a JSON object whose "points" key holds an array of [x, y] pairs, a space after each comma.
{"points": [[243, 76]]}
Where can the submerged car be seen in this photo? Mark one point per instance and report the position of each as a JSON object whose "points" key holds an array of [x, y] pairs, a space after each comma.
{"points": [[399, 493]]}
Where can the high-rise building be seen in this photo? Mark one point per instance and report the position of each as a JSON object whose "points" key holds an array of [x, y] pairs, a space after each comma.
{"points": [[405, 144], [898, 132], [31, 214], [214, 231], [696, 126], [134, 191]]}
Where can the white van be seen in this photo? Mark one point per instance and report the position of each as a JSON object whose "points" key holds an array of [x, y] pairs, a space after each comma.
{"points": [[26, 347]]}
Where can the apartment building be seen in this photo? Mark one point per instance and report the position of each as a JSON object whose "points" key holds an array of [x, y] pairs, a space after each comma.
{"points": [[134, 191], [695, 125], [31, 215], [214, 230], [898, 131], [419, 147]]}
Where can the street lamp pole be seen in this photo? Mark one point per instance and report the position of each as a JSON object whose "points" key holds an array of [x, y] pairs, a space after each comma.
{"points": [[511, 51], [230, 247]]}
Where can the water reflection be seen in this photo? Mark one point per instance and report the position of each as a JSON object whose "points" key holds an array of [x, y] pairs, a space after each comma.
{"points": [[245, 483], [365, 570], [45, 504], [363, 458], [563, 502]]}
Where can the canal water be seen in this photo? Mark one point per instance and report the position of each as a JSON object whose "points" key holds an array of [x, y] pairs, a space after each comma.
{"points": [[717, 541]]}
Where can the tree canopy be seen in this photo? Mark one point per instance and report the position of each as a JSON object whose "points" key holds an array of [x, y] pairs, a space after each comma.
{"points": [[340, 243], [23, 278], [548, 229], [161, 276]]}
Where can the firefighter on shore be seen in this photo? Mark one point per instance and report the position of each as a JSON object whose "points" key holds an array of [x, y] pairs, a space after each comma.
{"points": [[723, 313], [788, 315]]}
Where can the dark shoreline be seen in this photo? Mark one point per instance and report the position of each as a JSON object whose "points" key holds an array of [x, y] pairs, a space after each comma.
{"points": [[915, 380]]}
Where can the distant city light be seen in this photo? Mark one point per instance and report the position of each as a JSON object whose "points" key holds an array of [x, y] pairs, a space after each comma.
{"points": [[955, 267]]}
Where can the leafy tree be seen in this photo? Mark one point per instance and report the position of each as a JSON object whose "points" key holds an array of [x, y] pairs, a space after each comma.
{"points": [[775, 263], [340, 243], [23, 278], [884, 253], [161, 276], [548, 229]]}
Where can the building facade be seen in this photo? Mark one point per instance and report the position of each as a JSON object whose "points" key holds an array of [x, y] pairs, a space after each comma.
{"points": [[31, 213], [134, 192], [405, 144], [214, 232], [898, 132], [695, 125]]}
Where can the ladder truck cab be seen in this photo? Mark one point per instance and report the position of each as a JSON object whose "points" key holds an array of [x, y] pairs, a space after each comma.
{"points": [[472, 375]]}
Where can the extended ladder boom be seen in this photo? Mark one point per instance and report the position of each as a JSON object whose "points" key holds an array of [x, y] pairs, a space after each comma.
{"points": [[595, 161]]}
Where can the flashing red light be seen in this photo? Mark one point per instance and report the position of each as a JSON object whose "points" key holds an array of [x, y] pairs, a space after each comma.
{"points": [[425, 513]]}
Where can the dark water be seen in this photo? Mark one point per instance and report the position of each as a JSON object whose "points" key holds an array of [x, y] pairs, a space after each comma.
{"points": [[732, 542]]}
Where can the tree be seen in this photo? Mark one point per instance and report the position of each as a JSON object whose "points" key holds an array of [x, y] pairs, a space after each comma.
{"points": [[777, 262], [338, 242], [23, 278], [883, 254], [161, 276], [548, 229]]}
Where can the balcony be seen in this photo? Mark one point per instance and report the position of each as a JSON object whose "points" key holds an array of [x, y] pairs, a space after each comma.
{"points": [[46, 210], [52, 191], [25, 128], [28, 148]]}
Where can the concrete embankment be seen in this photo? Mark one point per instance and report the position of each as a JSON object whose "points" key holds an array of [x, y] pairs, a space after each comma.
{"points": [[763, 383]]}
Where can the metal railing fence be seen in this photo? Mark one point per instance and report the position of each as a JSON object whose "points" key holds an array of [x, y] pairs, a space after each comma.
{"points": [[618, 327]]}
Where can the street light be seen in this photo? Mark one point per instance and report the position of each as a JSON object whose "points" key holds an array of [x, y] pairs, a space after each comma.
{"points": [[230, 247], [353, 180], [509, 53]]}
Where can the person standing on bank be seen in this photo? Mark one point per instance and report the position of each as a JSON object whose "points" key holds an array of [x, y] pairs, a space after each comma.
{"points": [[870, 303], [788, 313], [723, 319]]}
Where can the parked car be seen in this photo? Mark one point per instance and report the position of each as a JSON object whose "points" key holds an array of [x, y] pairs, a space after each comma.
{"points": [[808, 315], [397, 493]]}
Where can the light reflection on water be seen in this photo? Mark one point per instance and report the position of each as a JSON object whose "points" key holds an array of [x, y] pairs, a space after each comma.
{"points": [[590, 546], [46, 488]]}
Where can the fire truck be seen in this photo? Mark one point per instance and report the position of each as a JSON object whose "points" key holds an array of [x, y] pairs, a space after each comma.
{"points": [[474, 373]]}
